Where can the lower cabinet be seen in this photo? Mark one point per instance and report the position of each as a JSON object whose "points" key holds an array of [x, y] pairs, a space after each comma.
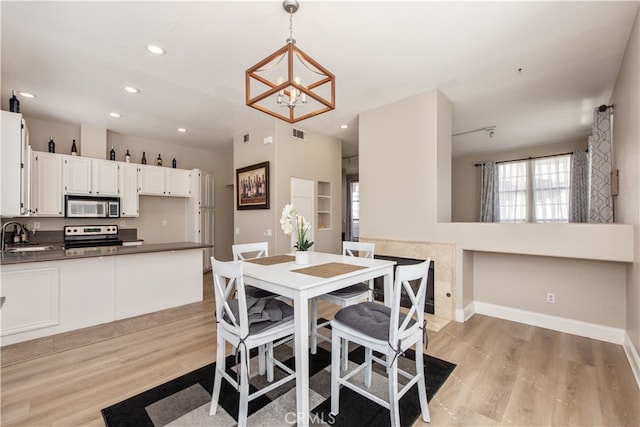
{"points": [[46, 298], [152, 282], [31, 299]]}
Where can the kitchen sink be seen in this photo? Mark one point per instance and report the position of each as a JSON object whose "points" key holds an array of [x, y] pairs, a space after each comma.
{"points": [[29, 248]]}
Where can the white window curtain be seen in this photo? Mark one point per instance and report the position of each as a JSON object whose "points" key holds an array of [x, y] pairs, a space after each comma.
{"points": [[579, 202], [600, 161], [551, 188], [513, 191], [489, 206]]}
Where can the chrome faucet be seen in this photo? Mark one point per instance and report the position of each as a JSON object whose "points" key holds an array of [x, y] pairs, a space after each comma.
{"points": [[4, 229]]}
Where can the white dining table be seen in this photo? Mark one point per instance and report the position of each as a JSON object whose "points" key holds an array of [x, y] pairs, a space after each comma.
{"points": [[282, 279]]}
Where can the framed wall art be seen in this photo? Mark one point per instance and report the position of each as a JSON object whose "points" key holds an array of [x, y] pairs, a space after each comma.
{"points": [[252, 186]]}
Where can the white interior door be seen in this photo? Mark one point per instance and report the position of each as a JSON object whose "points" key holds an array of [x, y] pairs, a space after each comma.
{"points": [[302, 196]]}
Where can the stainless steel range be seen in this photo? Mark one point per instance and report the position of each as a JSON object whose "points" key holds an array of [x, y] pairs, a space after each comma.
{"points": [[89, 236]]}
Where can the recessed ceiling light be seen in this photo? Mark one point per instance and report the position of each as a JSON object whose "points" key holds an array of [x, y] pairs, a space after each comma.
{"points": [[183, 130], [27, 94], [116, 115], [344, 126], [156, 50], [131, 89]]}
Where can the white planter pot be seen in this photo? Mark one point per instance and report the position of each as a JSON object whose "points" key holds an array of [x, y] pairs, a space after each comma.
{"points": [[302, 257]]}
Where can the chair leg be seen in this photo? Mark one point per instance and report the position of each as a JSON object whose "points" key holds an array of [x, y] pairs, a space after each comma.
{"points": [[217, 382], [367, 370], [422, 389], [243, 405], [393, 392], [335, 374], [261, 359], [314, 326], [269, 357], [345, 353]]}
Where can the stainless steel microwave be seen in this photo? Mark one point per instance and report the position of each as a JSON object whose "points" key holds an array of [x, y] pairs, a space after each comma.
{"points": [[91, 207]]}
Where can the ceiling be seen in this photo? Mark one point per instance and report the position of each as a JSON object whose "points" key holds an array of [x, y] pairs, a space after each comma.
{"points": [[535, 70]]}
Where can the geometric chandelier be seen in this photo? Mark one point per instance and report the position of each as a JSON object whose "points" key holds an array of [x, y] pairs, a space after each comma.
{"points": [[289, 84]]}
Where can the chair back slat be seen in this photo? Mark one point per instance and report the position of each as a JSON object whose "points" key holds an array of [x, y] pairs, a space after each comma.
{"points": [[364, 250], [404, 275], [229, 286], [244, 251]]}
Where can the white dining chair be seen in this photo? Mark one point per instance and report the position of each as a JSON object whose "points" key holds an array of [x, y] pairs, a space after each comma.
{"points": [[343, 297], [390, 332], [244, 251], [232, 322]]}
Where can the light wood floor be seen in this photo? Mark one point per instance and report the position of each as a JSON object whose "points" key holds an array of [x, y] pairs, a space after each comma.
{"points": [[507, 373]]}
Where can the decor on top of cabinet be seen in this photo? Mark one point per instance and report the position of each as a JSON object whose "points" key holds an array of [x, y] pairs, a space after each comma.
{"points": [[252, 186], [174, 163], [127, 157], [112, 154], [14, 103], [52, 145], [74, 149], [144, 159], [291, 222], [159, 162]]}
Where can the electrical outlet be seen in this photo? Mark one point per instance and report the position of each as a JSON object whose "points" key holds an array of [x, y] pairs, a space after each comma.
{"points": [[122, 224], [164, 222], [551, 298], [36, 225]]}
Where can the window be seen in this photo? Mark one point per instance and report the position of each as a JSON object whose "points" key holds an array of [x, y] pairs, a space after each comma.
{"points": [[535, 190]]}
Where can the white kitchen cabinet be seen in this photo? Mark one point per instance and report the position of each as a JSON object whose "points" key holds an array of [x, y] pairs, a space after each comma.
{"points": [[14, 163], [87, 295], [86, 176], [105, 177], [206, 189], [77, 175], [46, 184], [31, 299], [177, 182], [199, 221], [151, 180], [160, 181], [129, 202], [156, 281]]}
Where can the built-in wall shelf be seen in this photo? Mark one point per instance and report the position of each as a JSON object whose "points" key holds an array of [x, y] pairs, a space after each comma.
{"points": [[324, 205]]}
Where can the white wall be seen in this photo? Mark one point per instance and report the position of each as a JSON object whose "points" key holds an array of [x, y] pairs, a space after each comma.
{"points": [[626, 139], [317, 158], [399, 200]]}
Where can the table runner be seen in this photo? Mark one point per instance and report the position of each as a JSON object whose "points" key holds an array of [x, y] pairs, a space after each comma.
{"points": [[271, 260], [330, 269]]}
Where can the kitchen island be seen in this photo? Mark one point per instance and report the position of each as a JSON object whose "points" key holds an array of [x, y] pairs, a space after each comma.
{"points": [[53, 291]]}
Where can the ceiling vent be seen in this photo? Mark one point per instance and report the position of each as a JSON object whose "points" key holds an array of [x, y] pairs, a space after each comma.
{"points": [[299, 134]]}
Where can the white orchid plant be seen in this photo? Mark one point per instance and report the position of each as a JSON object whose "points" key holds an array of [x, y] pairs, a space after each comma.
{"points": [[292, 222]]}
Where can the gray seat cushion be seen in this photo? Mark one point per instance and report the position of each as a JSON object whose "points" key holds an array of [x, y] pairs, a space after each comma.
{"points": [[351, 290], [250, 291], [263, 313], [368, 318]]}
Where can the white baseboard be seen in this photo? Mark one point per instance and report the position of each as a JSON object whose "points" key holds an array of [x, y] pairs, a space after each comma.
{"points": [[561, 324], [632, 356]]}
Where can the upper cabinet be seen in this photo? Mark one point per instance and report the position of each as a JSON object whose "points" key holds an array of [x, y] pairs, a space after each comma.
{"points": [[14, 162], [86, 176], [129, 203], [159, 181], [46, 184]]}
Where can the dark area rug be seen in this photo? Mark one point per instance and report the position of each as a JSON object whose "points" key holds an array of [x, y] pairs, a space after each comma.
{"points": [[185, 401]]}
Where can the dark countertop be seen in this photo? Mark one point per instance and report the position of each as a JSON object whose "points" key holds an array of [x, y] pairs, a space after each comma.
{"points": [[60, 254]]}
